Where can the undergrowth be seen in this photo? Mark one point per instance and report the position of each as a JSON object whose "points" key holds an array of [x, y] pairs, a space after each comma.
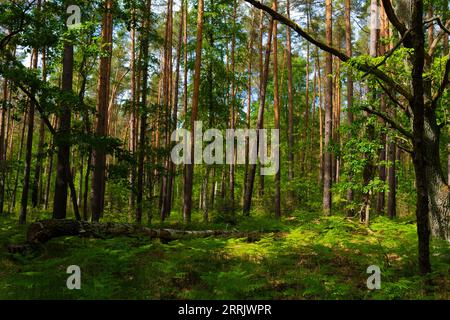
{"points": [[303, 256]]}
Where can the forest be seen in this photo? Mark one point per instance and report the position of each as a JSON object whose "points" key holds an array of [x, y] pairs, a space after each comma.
{"points": [[225, 149]]}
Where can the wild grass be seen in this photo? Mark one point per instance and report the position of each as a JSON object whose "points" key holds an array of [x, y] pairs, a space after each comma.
{"points": [[303, 256]]}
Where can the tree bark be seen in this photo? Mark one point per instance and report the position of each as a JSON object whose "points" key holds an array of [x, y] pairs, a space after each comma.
{"points": [[392, 182], [187, 197], [133, 115], [101, 128], [63, 139], [276, 107], [3, 145], [28, 153], [144, 64], [290, 103], [327, 176], [43, 231], [233, 105], [348, 46], [260, 121], [166, 186], [423, 178], [40, 153]]}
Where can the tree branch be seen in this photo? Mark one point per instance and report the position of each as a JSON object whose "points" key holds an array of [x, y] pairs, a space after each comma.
{"points": [[38, 107], [389, 53], [444, 84], [404, 148], [438, 38], [391, 122], [392, 16], [390, 95], [439, 22]]}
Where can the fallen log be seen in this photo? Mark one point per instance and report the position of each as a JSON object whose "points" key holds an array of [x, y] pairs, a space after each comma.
{"points": [[42, 231]]}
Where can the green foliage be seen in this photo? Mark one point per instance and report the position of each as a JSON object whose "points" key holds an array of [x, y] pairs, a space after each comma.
{"points": [[312, 258]]}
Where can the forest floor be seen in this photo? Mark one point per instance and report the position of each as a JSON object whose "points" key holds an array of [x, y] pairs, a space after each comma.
{"points": [[304, 256]]}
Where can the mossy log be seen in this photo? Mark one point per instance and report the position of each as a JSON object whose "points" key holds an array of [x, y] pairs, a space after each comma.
{"points": [[42, 231]]}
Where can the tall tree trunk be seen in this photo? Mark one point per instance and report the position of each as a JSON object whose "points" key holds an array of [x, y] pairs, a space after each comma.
{"points": [[424, 179], [167, 84], [384, 34], [40, 152], [187, 196], [290, 104], [3, 145], [133, 115], [249, 100], [321, 118], [233, 104], [276, 107], [327, 176], [49, 169], [260, 121], [391, 202], [172, 167], [101, 127], [28, 153], [12, 205], [348, 46], [337, 116], [143, 123], [62, 140], [438, 189], [304, 157], [185, 60], [261, 66], [369, 169]]}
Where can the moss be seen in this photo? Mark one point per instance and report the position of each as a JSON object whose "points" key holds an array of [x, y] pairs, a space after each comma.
{"points": [[304, 256]]}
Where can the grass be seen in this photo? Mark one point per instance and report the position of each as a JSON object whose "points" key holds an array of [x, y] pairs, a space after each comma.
{"points": [[309, 257]]}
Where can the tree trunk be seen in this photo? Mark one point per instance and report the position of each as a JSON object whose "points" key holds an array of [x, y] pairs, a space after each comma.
{"points": [[424, 177], [167, 102], [304, 157], [233, 105], [133, 115], [369, 168], [3, 145], [327, 176], [143, 127], [40, 153], [391, 203], [172, 167], [290, 104], [99, 154], [43, 231], [187, 201], [249, 101], [348, 46], [28, 152], [260, 122], [12, 205], [62, 140], [276, 107], [438, 190], [49, 169], [321, 119]]}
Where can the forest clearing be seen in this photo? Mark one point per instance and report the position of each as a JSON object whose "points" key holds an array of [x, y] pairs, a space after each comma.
{"points": [[224, 149]]}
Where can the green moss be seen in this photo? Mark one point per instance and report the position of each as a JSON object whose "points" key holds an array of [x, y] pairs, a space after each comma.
{"points": [[302, 257]]}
